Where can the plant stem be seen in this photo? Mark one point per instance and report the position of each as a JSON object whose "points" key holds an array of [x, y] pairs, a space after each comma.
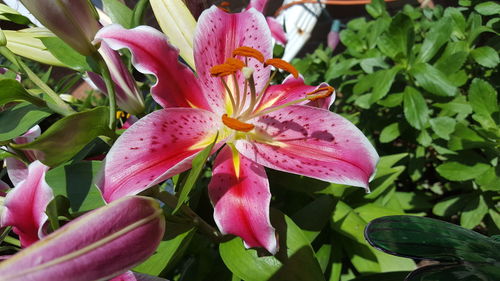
{"points": [[59, 105], [171, 201], [110, 89]]}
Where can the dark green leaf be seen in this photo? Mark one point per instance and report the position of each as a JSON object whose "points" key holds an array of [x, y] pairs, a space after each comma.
{"points": [[392, 100], [196, 168], [76, 182], [65, 53], [390, 133], [118, 12], [451, 205], [321, 210], [294, 261], [384, 79], [138, 12], [482, 97], [485, 56], [427, 238], [175, 241], [386, 276], [415, 108], [436, 37], [455, 272], [453, 57], [11, 90], [397, 42], [338, 69], [69, 135], [18, 119], [433, 80]]}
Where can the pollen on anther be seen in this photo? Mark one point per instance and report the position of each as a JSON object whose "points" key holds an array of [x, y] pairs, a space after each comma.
{"points": [[281, 64], [246, 51]]}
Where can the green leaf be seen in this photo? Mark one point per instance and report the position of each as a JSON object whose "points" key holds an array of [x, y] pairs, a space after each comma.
{"points": [[321, 210], [453, 57], [66, 54], [384, 79], [138, 12], [443, 126], [196, 168], [482, 97], [473, 212], [173, 245], [294, 261], [451, 205], [457, 171], [390, 133], [376, 8], [485, 56], [436, 37], [11, 90], [398, 41], [371, 211], [338, 69], [69, 135], [489, 180], [392, 100], [415, 108], [488, 8], [76, 182], [5, 154], [118, 12], [425, 238], [385, 276], [18, 119], [433, 80]]}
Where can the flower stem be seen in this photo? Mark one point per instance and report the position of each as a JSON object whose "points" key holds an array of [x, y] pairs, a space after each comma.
{"points": [[171, 201], [110, 89], [58, 104]]}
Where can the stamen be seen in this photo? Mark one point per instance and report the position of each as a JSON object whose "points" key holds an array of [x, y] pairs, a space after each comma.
{"points": [[249, 52], [235, 62], [314, 94], [236, 124], [281, 64], [222, 70], [225, 4]]}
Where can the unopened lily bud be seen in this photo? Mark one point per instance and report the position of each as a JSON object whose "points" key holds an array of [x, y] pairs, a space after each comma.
{"points": [[97, 246], [3, 39], [73, 21]]}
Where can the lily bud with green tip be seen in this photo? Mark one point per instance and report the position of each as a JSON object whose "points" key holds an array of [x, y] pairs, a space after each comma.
{"points": [[74, 21], [97, 246]]}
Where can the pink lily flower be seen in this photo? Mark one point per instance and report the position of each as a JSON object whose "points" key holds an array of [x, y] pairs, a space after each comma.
{"points": [[274, 25], [24, 206], [97, 246], [285, 127], [17, 169], [134, 276]]}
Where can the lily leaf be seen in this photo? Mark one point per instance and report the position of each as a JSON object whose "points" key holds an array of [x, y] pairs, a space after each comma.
{"points": [[69, 135], [11, 90], [18, 119]]}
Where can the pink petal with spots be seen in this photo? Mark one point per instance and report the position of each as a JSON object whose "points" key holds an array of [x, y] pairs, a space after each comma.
{"points": [[290, 90], [277, 30], [176, 84], [217, 34], [155, 148], [258, 5], [313, 142], [25, 205], [242, 203]]}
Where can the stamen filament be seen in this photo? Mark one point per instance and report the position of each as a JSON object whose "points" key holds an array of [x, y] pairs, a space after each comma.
{"points": [[271, 109], [261, 94], [229, 93], [237, 90]]}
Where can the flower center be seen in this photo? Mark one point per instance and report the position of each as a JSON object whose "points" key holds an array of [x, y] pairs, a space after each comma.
{"points": [[245, 105]]}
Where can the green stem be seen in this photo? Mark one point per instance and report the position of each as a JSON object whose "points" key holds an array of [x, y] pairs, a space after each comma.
{"points": [[171, 201], [110, 89], [58, 105]]}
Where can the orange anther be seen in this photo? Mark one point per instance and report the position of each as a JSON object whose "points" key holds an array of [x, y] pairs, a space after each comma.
{"points": [[225, 4], [281, 64], [318, 93], [222, 70], [235, 62], [249, 52], [236, 124]]}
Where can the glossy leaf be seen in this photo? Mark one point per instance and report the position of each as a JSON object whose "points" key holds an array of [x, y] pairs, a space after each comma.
{"points": [[11, 90], [455, 272], [397, 42], [384, 79], [415, 108], [76, 182], [458, 171], [65, 138], [426, 238], [485, 56], [294, 261], [390, 133], [482, 97], [473, 212], [488, 8], [118, 12], [443, 126], [433, 80], [18, 119], [436, 37]]}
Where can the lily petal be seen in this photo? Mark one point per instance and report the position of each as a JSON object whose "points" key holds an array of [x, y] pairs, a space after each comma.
{"points": [[16, 169], [217, 34], [258, 5], [134, 276], [176, 85], [277, 30], [97, 246], [155, 148], [312, 142], [241, 202], [24, 205], [293, 89]]}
